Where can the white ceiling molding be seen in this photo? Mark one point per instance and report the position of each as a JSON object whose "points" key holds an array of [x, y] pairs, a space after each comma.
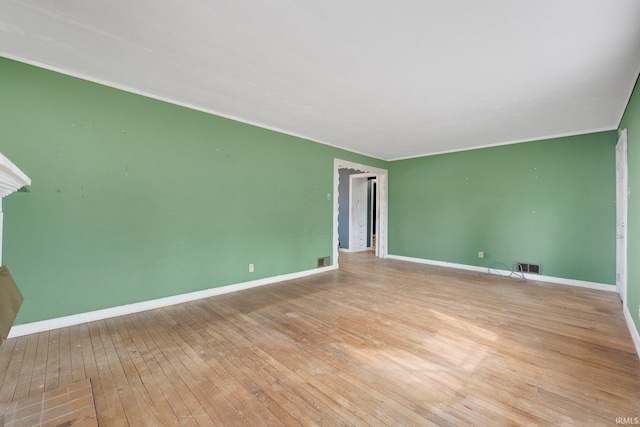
{"points": [[11, 177], [388, 79], [11, 180]]}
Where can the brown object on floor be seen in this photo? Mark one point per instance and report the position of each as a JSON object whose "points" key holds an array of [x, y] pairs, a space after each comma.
{"points": [[10, 302], [71, 405]]}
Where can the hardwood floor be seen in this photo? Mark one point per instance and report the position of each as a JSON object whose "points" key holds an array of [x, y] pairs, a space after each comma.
{"points": [[380, 342]]}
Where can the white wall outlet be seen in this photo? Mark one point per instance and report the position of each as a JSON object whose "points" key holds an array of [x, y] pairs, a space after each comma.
{"points": [[481, 254], [251, 268]]}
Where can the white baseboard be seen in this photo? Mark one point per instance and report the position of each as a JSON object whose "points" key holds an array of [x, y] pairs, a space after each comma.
{"points": [[532, 277], [632, 328], [76, 319], [343, 250]]}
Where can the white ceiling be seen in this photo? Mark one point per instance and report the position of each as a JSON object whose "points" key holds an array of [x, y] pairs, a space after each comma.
{"points": [[391, 79]]}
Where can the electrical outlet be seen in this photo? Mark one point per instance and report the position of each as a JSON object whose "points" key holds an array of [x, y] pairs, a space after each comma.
{"points": [[251, 268], [481, 254]]}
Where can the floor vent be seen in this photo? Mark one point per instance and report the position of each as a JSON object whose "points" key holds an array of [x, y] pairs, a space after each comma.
{"points": [[324, 261], [523, 267]]}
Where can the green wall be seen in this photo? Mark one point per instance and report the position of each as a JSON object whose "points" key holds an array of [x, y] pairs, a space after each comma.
{"points": [[550, 202], [631, 121], [134, 199]]}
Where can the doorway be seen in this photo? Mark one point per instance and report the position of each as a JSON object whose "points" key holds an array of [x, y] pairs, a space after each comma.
{"points": [[361, 212], [376, 178]]}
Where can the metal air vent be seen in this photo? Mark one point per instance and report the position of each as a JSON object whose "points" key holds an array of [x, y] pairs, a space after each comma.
{"points": [[324, 261], [523, 267]]}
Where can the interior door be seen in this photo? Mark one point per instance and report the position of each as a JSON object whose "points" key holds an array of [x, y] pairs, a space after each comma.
{"points": [[359, 214], [621, 215]]}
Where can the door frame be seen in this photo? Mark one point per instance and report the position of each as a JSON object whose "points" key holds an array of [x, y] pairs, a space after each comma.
{"points": [[372, 216], [381, 248], [352, 225], [622, 196]]}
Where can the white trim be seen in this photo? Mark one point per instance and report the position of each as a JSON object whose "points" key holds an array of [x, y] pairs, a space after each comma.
{"points": [[11, 180], [11, 177], [622, 202], [499, 144], [343, 250], [1, 230], [630, 94], [76, 319], [532, 277], [632, 329], [381, 194], [129, 89]]}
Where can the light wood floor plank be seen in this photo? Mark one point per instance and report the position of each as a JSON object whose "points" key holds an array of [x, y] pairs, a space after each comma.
{"points": [[162, 394], [209, 346], [173, 347], [75, 345], [133, 392], [23, 384], [164, 358], [379, 342], [297, 391], [12, 352], [64, 358], [40, 364], [108, 365], [52, 373]]}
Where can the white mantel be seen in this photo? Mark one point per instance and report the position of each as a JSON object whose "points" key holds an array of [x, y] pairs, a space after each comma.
{"points": [[11, 180]]}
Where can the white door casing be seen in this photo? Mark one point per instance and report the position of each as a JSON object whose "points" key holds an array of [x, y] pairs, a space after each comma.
{"points": [[381, 209], [622, 194]]}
